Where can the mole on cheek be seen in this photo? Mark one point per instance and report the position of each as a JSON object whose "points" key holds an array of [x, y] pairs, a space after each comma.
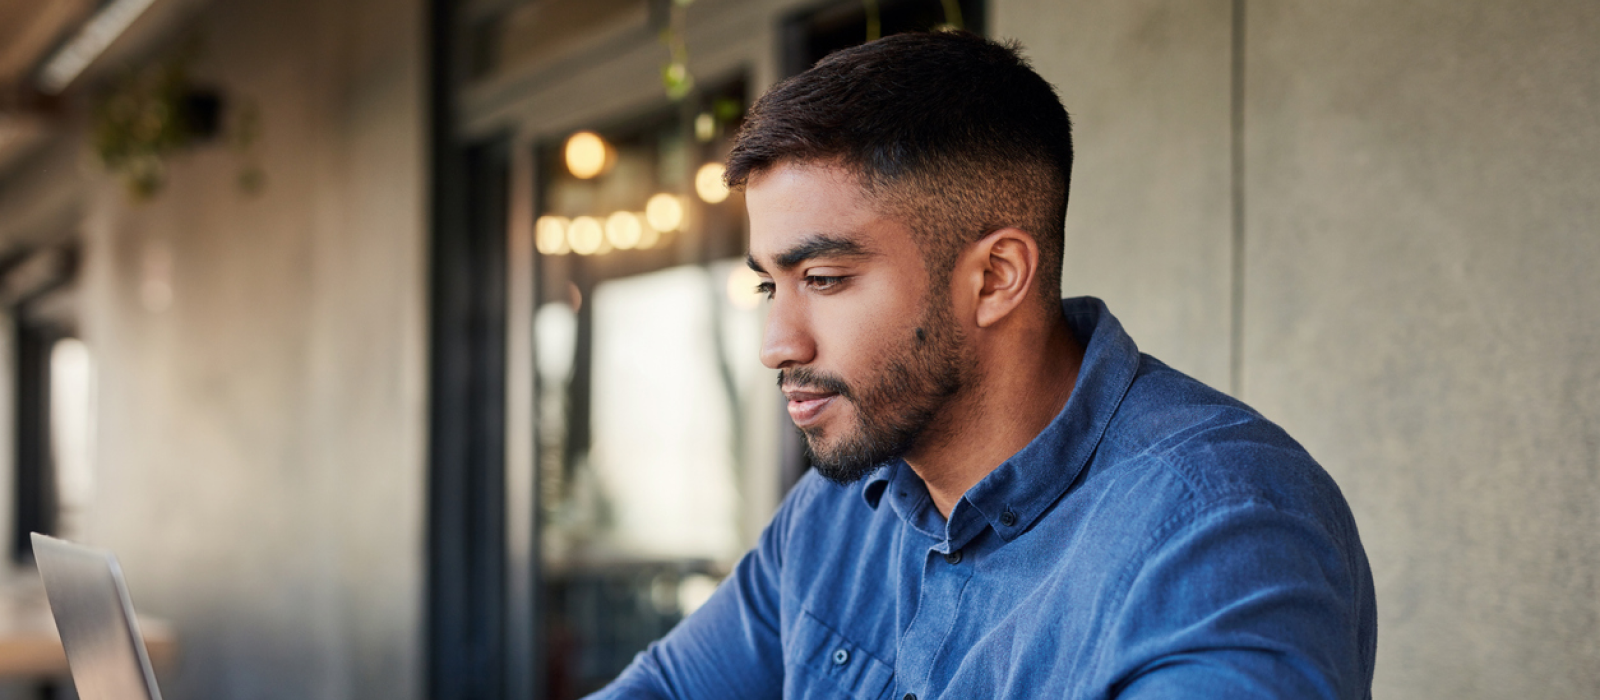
{"points": [[921, 337]]}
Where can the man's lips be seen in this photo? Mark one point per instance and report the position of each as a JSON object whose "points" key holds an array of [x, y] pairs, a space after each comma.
{"points": [[807, 405]]}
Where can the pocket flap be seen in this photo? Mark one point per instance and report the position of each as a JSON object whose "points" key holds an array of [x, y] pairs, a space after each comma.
{"points": [[816, 650]]}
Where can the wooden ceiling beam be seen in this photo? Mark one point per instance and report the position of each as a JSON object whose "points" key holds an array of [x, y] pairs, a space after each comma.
{"points": [[30, 30]]}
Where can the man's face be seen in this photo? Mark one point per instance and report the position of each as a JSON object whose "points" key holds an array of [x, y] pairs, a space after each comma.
{"points": [[869, 352]]}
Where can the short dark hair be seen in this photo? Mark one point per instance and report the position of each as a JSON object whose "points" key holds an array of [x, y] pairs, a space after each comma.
{"points": [[952, 133]]}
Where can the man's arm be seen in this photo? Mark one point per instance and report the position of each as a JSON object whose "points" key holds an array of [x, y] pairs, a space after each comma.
{"points": [[730, 647], [1247, 601]]}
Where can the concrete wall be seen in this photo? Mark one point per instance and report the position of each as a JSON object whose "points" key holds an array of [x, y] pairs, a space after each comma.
{"points": [[1421, 199], [261, 451], [1149, 224], [1424, 220]]}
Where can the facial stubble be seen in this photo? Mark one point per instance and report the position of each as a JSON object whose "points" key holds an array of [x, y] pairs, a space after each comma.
{"points": [[893, 410]]}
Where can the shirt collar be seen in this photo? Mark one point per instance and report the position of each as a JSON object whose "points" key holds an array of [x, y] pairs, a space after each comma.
{"points": [[1018, 491]]}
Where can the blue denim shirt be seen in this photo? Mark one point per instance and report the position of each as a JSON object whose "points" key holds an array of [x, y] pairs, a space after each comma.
{"points": [[1158, 540]]}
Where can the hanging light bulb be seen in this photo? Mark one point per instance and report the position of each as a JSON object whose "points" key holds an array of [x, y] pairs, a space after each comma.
{"points": [[550, 235], [705, 127], [623, 230], [708, 183], [588, 155], [664, 212], [585, 235], [648, 236]]}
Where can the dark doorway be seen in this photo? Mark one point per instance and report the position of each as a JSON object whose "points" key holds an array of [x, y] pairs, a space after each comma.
{"points": [[811, 35]]}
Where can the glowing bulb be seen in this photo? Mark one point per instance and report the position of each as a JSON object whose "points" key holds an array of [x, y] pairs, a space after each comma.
{"points": [[648, 236], [624, 230], [588, 155], [664, 212], [705, 127], [585, 235], [742, 283], [550, 235], [708, 183]]}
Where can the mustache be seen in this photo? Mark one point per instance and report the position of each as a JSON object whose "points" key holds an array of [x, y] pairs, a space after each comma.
{"points": [[806, 378]]}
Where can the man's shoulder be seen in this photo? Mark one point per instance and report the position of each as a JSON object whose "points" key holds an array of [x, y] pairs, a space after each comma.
{"points": [[1166, 411], [1221, 450]]}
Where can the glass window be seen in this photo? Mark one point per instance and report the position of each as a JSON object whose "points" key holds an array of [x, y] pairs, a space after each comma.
{"points": [[657, 437]]}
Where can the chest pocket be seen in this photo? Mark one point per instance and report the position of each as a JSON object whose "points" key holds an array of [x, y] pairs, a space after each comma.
{"points": [[821, 663]]}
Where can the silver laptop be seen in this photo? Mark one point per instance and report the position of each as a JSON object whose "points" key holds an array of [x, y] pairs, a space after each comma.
{"points": [[95, 617]]}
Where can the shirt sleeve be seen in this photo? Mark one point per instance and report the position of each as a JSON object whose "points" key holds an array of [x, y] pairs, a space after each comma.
{"points": [[730, 647], [1247, 601]]}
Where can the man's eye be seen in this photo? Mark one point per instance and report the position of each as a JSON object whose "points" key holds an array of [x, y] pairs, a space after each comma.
{"points": [[823, 283], [766, 289]]}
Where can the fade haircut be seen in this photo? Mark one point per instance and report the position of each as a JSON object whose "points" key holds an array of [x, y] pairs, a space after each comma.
{"points": [[952, 134]]}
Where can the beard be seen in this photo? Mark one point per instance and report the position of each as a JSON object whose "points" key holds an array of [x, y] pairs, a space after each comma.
{"points": [[893, 406]]}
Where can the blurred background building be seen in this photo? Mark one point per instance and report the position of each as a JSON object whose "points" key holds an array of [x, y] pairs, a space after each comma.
{"points": [[402, 348]]}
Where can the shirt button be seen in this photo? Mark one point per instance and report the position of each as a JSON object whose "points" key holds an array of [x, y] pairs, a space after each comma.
{"points": [[911, 696], [841, 657], [953, 557], [1008, 518]]}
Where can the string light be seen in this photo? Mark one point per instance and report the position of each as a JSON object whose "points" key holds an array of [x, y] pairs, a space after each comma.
{"points": [[664, 212], [649, 237], [588, 155], [550, 235], [623, 230], [708, 183], [586, 236]]}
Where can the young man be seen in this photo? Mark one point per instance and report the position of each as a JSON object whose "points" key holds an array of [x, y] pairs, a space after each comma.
{"points": [[1009, 500]]}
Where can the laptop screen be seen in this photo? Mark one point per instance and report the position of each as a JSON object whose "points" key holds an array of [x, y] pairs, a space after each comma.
{"points": [[95, 618]]}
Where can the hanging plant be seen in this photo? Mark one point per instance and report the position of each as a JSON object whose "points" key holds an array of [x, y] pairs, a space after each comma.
{"points": [[150, 116], [675, 76], [952, 16]]}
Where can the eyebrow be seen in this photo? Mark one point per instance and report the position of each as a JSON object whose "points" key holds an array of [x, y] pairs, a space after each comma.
{"points": [[815, 246]]}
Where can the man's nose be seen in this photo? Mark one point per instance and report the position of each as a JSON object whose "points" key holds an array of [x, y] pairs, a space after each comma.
{"points": [[787, 341]]}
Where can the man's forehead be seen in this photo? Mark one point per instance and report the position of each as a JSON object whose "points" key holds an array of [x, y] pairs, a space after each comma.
{"points": [[803, 210], [784, 179]]}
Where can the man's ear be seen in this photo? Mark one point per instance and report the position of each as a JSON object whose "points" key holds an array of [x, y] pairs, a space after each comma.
{"points": [[1008, 262]]}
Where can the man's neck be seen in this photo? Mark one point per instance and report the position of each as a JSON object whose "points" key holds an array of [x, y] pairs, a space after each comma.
{"points": [[1023, 381]]}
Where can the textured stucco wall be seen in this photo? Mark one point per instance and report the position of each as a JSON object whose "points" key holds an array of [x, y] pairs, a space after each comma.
{"points": [[1421, 222], [261, 440], [1149, 225], [1423, 184]]}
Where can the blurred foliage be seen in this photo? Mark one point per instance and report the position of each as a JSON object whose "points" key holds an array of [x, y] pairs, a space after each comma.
{"points": [[149, 116], [675, 76], [678, 81], [727, 110], [952, 15]]}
